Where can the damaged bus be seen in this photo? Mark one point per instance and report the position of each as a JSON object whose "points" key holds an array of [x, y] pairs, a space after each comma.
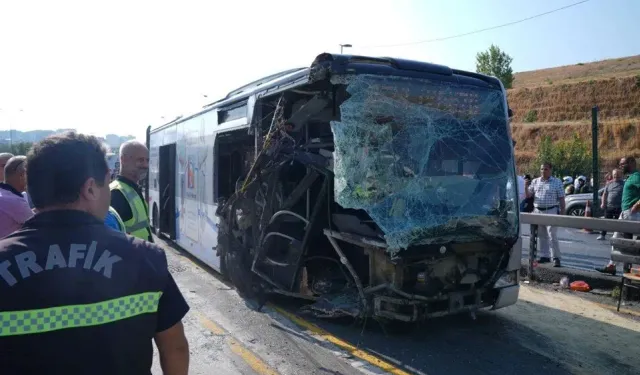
{"points": [[371, 187]]}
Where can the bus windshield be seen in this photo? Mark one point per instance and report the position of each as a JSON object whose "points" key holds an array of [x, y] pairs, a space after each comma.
{"points": [[430, 161]]}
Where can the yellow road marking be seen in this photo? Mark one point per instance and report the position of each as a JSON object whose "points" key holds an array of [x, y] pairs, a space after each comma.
{"points": [[622, 310], [354, 351], [211, 326], [256, 363], [263, 369], [248, 356]]}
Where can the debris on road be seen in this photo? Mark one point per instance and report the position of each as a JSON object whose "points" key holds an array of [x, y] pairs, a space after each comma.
{"points": [[580, 286]]}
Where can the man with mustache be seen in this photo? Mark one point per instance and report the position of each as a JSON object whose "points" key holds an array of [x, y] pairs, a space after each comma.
{"points": [[126, 194]]}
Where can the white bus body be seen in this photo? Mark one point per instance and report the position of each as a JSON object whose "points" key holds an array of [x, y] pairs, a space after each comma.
{"points": [[193, 140], [398, 175]]}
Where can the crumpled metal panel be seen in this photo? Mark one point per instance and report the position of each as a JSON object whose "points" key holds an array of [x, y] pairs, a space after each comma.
{"points": [[427, 160]]}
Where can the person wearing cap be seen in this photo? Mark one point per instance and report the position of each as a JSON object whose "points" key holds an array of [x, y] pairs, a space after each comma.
{"points": [[77, 297]]}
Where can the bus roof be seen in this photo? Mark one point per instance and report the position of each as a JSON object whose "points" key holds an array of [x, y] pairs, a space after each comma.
{"points": [[250, 87], [244, 92], [364, 63]]}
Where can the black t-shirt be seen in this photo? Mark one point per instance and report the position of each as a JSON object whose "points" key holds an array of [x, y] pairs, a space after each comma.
{"points": [[69, 259], [172, 307], [121, 205]]}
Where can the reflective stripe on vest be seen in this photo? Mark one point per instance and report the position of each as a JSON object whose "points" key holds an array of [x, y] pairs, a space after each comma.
{"points": [[118, 218], [14, 323], [138, 225]]}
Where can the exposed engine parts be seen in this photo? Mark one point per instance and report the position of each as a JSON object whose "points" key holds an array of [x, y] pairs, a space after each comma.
{"points": [[354, 225]]}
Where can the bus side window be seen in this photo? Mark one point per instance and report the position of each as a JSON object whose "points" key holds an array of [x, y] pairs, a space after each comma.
{"points": [[230, 156], [221, 174], [228, 171]]}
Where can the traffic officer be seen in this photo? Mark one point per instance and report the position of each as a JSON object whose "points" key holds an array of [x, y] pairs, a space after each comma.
{"points": [[76, 296], [126, 195]]}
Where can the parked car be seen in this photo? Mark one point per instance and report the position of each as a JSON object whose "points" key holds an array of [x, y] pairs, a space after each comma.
{"points": [[576, 203]]}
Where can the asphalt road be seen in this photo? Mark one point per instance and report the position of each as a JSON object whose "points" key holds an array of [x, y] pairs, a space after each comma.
{"points": [[545, 332], [227, 337], [579, 249]]}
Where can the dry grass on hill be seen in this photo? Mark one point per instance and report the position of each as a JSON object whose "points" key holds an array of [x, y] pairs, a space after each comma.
{"points": [[617, 98], [616, 138], [557, 102], [620, 67]]}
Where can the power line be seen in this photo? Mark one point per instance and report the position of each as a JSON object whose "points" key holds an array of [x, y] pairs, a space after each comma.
{"points": [[478, 31]]}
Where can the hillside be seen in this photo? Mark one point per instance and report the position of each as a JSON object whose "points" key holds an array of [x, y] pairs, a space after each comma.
{"points": [[16, 136], [620, 67], [557, 102]]}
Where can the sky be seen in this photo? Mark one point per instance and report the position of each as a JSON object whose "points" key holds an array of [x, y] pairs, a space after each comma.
{"points": [[118, 66]]}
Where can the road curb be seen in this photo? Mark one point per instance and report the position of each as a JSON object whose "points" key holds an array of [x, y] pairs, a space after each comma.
{"points": [[549, 274]]}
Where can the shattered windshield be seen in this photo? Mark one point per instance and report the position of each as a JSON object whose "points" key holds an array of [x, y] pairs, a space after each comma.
{"points": [[429, 161]]}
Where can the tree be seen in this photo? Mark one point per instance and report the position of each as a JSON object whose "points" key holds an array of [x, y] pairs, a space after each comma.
{"points": [[495, 62], [17, 148], [569, 157]]}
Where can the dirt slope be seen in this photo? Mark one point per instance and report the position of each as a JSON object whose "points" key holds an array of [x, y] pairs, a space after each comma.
{"points": [[620, 67], [557, 102]]}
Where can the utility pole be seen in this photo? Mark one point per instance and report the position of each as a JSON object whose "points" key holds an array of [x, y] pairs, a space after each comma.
{"points": [[594, 157]]}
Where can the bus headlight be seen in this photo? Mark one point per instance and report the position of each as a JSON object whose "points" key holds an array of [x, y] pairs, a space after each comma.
{"points": [[507, 279]]}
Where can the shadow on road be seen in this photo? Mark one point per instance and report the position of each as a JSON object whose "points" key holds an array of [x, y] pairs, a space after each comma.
{"points": [[495, 343], [528, 338]]}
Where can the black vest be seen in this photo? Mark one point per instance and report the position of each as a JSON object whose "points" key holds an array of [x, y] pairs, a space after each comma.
{"points": [[77, 298]]}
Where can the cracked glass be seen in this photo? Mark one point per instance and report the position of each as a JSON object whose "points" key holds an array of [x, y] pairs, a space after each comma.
{"points": [[430, 161]]}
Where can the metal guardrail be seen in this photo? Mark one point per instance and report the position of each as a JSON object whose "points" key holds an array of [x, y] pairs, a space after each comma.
{"points": [[625, 250], [609, 225]]}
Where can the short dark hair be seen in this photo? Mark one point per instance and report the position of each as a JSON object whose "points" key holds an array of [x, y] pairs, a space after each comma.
{"points": [[60, 164], [630, 159], [547, 164], [14, 165]]}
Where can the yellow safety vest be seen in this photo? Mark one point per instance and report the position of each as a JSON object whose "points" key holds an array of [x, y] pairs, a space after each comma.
{"points": [[138, 225], [118, 219]]}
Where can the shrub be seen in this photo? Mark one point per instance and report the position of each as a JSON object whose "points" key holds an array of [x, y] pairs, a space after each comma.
{"points": [[569, 157], [531, 116]]}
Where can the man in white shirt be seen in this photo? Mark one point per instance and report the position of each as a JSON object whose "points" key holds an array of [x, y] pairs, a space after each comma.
{"points": [[522, 194], [548, 198]]}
